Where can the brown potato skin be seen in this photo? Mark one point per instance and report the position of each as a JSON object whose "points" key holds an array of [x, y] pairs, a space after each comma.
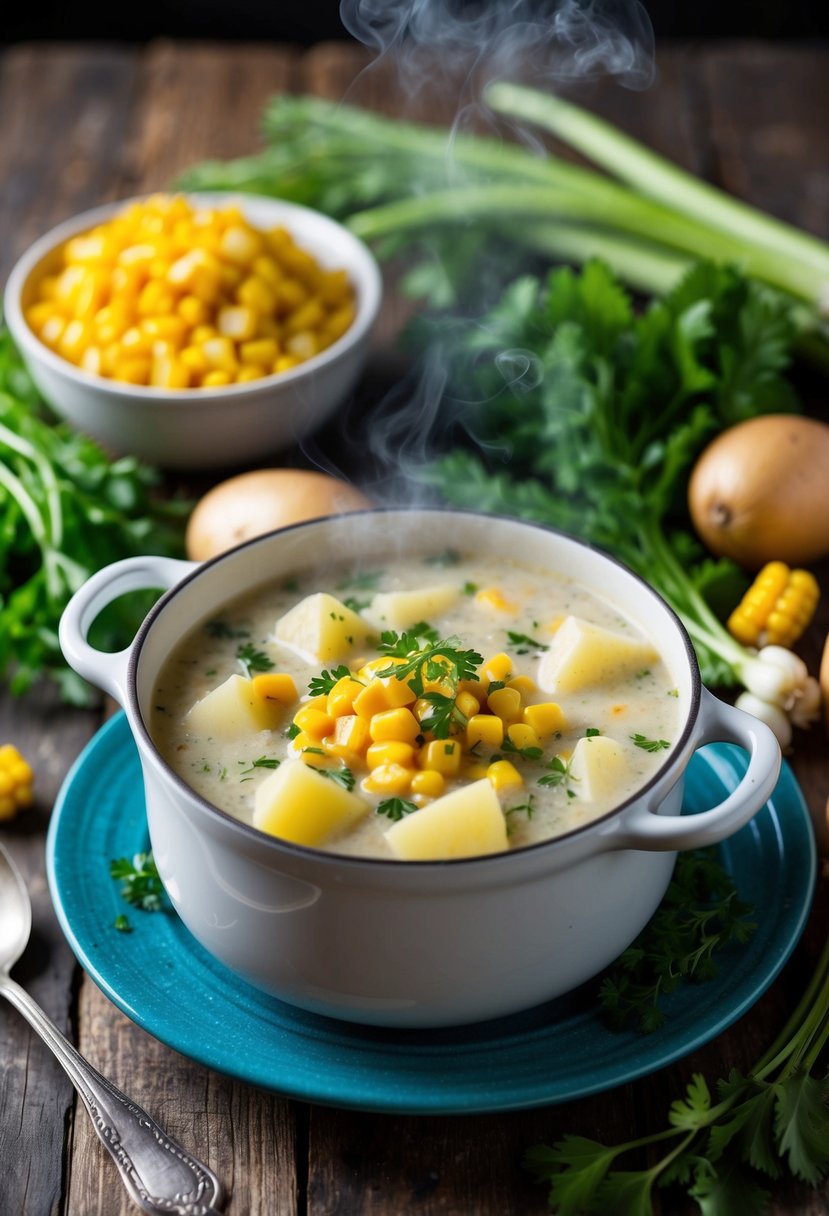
{"points": [[760, 491], [261, 501]]}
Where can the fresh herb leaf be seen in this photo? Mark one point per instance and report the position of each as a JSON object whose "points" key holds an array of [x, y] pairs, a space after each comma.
{"points": [[221, 629], [140, 883], [443, 717], [395, 808], [650, 745], [323, 683], [252, 660], [527, 753], [523, 643], [700, 915], [122, 923], [261, 762], [442, 661], [559, 773], [341, 776]]}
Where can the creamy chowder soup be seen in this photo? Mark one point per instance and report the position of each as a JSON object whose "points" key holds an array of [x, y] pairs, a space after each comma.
{"points": [[427, 708]]}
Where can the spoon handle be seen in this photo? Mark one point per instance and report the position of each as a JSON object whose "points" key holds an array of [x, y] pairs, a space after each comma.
{"points": [[160, 1175]]}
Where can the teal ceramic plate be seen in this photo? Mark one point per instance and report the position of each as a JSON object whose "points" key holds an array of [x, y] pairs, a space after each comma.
{"points": [[162, 979]]}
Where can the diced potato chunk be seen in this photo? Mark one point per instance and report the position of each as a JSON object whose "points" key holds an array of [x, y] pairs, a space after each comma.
{"points": [[582, 654], [597, 766], [233, 709], [466, 823], [321, 629], [299, 804], [401, 609]]}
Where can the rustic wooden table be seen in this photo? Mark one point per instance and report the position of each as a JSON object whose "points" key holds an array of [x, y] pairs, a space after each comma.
{"points": [[86, 124]]}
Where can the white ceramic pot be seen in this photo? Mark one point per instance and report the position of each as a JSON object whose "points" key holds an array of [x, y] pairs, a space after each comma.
{"points": [[419, 943]]}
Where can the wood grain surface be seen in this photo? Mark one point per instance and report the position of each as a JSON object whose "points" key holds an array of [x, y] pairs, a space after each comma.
{"points": [[84, 124]]}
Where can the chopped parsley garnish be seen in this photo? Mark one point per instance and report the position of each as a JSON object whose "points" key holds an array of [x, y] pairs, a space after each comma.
{"points": [[140, 884], [395, 808], [292, 731], [559, 773], [441, 661], [522, 808], [323, 683], [523, 643], [527, 753], [220, 629], [122, 923], [470, 588], [252, 659], [591, 732], [650, 745], [443, 714], [262, 762], [342, 776]]}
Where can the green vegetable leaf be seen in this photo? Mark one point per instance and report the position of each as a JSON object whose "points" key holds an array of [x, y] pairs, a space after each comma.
{"points": [[802, 1124], [650, 745], [252, 660], [323, 683], [575, 1167], [140, 883], [341, 776], [395, 808]]}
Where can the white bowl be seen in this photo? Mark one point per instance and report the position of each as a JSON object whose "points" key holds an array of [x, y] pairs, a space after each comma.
{"points": [[421, 943], [205, 428]]}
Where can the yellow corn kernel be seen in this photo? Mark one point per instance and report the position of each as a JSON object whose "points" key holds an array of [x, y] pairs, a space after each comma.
{"points": [[194, 358], [392, 752], [261, 351], [467, 704], [216, 379], [442, 755], [168, 372], [309, 316], [484, 728], [340, 321], [393, 724], [192, 310], [52, 330], [267, 270], [256, 294], [275, 686], [237, 322], [493, 597], [524, 684], [38, 314], [351, 734], [522, 735], [241, 244], [546, 718], [503, 774], [506, 703], [74, 338], [428, 783], [154, 299], [198, 273], [16, 782], [313, 721], [498, 669], [340, 699], [249, 373], [285, 363], [289, 296], [303, 345], [474, 770], [133, 370], [390, 779], [334, 286], [777, 607], [92, 360], [371, 700], [219, 353], [169, 328], [477, 689]]}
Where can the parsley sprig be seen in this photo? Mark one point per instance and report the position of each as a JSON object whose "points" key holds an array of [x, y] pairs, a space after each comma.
{"points": [[252, 660], [140, 883], [439, 660], [322, 684]]}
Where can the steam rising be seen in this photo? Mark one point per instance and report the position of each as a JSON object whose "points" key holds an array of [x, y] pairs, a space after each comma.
{"points": [[445, 51], [562, 39]]}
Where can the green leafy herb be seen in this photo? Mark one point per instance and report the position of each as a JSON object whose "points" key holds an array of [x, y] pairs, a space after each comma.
{"points": [[252, 660], [292, 731], [443, 717], [523, 644], [527, 753], [591, 732], [220, 629], [448, 557], [140, 884], [67, 509], [650, 745], [341, 776], [442, 661], [122, 923], [323, 683], [559, 773], [395, 808], [523, 808], [261, 762], [700, 915]]}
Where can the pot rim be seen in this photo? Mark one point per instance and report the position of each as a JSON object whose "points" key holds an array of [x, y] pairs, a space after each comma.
{"points": [[380, 864]]}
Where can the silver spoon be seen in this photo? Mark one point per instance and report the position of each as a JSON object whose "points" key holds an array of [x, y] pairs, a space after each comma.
{"points": [[159, 1174]]}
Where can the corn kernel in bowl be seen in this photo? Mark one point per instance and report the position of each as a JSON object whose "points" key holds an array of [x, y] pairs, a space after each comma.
{"points": [[170, 295]]}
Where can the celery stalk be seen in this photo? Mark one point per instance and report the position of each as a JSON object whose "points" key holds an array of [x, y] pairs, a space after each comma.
{"points": [[658, 178]]}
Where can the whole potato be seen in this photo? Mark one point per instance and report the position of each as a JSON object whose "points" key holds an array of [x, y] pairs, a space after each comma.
{"points": [[260, 501], [759, 491]]}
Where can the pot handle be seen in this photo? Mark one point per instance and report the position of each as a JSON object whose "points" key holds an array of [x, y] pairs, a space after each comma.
{"points": [[109, 671], [718, 723]]}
